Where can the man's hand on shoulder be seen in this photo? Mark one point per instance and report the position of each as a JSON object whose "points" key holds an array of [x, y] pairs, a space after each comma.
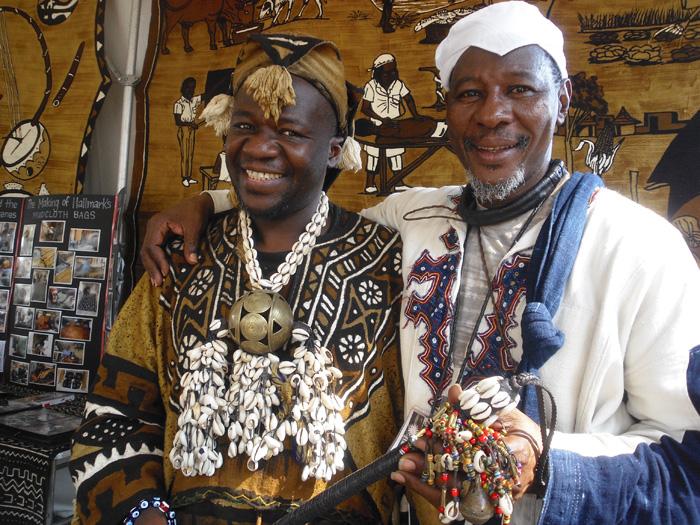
{"points": [[189, 219]]}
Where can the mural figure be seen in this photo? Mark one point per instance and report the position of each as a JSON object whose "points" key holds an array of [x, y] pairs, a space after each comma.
{"points": [[382, 103], [185, 113]]}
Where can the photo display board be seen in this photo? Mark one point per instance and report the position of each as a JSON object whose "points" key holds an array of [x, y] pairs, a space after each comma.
{"points": [[55, 253]]}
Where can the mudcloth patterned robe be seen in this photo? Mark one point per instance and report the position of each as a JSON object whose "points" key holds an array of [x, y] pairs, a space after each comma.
{"points": [[347, 290]]}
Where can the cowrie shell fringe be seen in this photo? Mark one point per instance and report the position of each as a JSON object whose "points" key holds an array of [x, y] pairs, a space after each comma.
{"points": [[251, 415]]}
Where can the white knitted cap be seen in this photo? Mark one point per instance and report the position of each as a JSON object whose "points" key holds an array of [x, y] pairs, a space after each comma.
{"points": [[500, 28]]}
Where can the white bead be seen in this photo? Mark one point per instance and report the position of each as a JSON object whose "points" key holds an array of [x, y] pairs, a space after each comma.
{"points": [[506, 504], [478, 461]]}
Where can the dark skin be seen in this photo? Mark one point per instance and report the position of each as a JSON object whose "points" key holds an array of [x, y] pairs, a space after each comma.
{"points": [[502, 112], [294, 153], [501, 115], [260, 145]]}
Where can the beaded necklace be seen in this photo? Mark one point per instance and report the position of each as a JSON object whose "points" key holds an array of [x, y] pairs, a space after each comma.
{"points": [[267, 399]]}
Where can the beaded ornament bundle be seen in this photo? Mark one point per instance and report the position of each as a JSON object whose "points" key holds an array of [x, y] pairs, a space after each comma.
{"points": [[471, 447], [267, 400]]}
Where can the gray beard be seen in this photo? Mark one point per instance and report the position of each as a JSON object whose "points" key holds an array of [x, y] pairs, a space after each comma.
{"points": [[485, 193]]}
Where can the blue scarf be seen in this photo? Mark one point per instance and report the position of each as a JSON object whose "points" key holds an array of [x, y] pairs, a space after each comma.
{"points": [[550, 265]]}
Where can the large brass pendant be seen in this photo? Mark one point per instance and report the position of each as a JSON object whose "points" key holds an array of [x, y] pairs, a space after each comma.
{"points": [[260, 322]]}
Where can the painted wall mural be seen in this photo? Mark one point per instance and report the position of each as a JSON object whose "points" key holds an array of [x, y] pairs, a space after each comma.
{"points": [[54, 83], [634, 117]]}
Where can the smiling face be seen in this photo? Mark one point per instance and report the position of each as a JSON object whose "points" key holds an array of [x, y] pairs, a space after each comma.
{"points": [[502, 112], [278, 168]]}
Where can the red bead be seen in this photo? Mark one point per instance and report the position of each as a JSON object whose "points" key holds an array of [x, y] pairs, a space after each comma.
{"points": [[482, 438], [448, 450], [498, 510], [454, 492], [496, 434], [472, 441], [441, 510], [405, 449], [428, 432], [483, 476], [445, 476], [494, 496]]}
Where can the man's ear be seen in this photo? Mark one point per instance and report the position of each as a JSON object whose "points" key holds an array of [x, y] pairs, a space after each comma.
{"points": [[335, 149], [564, 101]]}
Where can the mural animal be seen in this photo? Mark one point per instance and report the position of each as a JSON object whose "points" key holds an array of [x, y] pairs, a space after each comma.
{"points": [[227, 14], [274, 8]]}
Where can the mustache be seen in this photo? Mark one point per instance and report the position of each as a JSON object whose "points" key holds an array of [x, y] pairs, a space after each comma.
{"points": [[468, 142]]}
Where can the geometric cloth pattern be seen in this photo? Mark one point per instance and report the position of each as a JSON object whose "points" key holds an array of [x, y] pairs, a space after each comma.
{"points": [[348, 290]]}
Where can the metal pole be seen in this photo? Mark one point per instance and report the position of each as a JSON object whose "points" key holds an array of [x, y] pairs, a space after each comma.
{"points": [[128, 80]]}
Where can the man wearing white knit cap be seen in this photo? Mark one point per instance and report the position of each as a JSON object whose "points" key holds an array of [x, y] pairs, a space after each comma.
{"points": [[530, 269]]}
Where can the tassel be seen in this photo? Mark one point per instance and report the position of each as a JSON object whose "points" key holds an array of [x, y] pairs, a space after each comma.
{"points": [[271, 87], [350, 158], [218, 114]]}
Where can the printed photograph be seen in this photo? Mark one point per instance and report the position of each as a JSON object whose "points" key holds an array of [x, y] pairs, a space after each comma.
{"points": [[69, 352], [47, 320], [27, 242], [76, 328], [19, 372], [61, 298], [42, 373], [24, 268], [84, 240], [88, 294], [24, 317], [6, 262], [7, 236], [90, 267], [23, 294], [18, 345], [3, 320], [40, 283], [2, 356], [44, 257], [39, 344], [72, 380], [52, 231], [4, 297], [64, 267]]}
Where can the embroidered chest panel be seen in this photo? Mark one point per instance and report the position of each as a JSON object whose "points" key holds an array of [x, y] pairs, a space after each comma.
{"points": [[430, 284], [491, 354], [341, 291]]}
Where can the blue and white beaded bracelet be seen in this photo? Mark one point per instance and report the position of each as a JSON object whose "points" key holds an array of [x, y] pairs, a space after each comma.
{"points": [[155, 502]]}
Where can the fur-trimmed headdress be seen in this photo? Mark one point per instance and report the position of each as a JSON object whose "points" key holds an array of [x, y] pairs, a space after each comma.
{"points": [[265, 67]]}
